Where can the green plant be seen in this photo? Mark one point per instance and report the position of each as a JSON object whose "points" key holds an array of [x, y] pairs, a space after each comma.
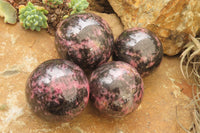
{"points": [[8, 12], [33, 17], [78, 6], [52, 3]]}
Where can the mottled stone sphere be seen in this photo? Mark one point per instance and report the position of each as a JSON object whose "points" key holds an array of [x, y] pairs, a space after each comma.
{"points": [[86, 39], [116, 89], [57, 90], [140, 48]]}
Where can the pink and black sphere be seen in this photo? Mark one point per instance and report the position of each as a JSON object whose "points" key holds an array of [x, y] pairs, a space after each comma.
{"points": [[139, 47], [57, 90], [116, 89], [86, 39]]}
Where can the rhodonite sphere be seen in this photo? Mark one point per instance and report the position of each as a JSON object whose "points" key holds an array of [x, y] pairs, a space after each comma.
{"points": [[116, 89], [139, 47], [57, 90], [86, 39]]}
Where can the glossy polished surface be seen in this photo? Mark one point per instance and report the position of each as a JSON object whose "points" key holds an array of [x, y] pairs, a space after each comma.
{"points": [[86, 39], [116, 89], [57, 90], [140, 48]]}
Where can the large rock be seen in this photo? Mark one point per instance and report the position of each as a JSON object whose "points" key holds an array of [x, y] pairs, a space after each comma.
{"points": [[22, 50], [171, 20]]}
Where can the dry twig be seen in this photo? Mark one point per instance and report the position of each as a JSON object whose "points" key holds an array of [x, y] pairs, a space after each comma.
{"points": [[191, 57]]}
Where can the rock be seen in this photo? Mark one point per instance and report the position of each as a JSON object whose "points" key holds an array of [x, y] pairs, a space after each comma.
{"points": [[23, 50], [171, 20]]}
